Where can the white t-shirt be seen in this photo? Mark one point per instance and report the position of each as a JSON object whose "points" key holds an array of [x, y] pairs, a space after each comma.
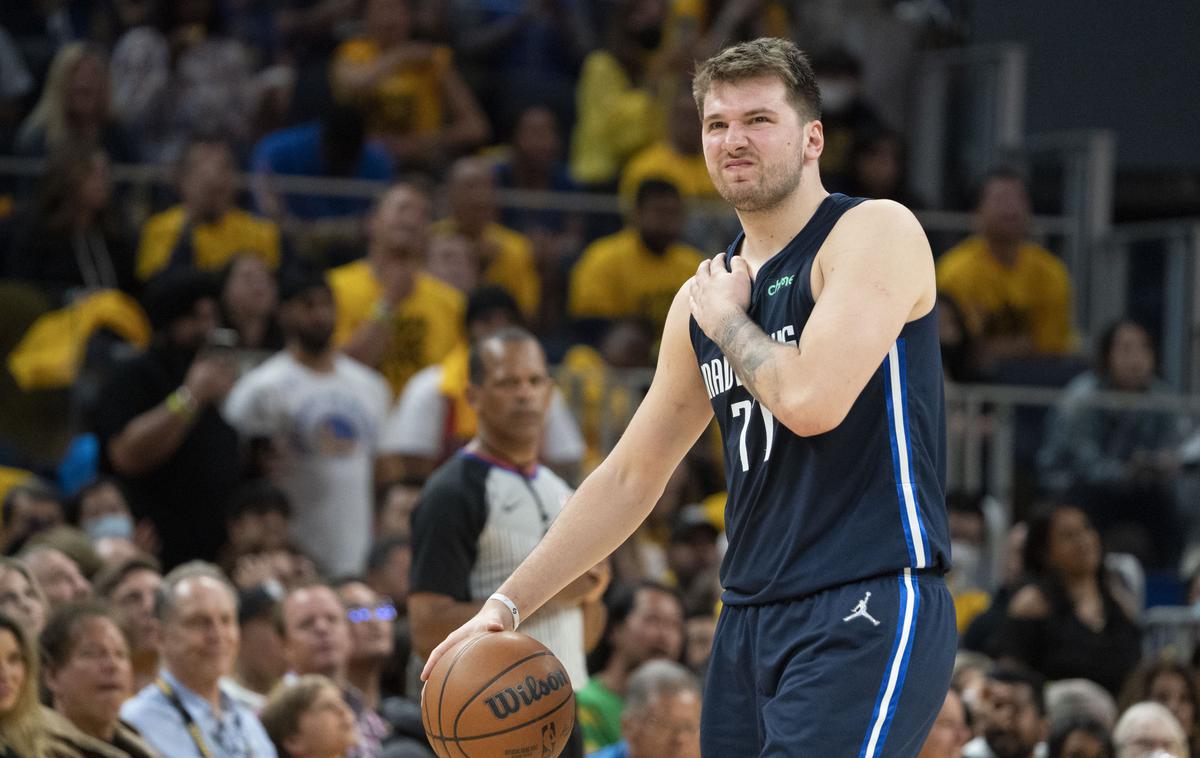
{"points": [[415, 426], [327, 427]]}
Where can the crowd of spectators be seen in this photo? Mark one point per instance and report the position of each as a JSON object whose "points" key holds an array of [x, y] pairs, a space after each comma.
{"points": [[265, 517]]}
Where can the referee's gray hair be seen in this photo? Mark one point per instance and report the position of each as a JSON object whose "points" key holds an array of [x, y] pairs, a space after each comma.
{"points": [[657, 678], [165, 598]]}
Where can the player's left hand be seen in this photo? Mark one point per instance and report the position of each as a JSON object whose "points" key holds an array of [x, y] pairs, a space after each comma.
{"points": [[715, 293]]}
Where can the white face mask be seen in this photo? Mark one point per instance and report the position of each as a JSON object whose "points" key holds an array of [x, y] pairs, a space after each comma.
{"points": [[836, 94], [965, 560], [112, 525]]}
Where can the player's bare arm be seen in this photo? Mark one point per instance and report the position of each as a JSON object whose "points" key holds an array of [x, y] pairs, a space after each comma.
{"points": [[619, 494], [874, 274]]}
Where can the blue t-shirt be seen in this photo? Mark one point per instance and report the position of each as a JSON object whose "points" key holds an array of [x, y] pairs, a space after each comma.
{"points": [[297, 152], [805, 514]]}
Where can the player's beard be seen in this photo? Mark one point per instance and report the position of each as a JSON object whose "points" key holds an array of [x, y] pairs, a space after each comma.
{"points": [[776, 183]]}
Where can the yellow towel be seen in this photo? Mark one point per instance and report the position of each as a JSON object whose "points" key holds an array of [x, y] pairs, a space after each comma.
{"points": [[50, 353]]}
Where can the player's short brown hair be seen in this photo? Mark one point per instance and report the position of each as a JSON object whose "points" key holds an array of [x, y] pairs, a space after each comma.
{"points": [[765, 56]]}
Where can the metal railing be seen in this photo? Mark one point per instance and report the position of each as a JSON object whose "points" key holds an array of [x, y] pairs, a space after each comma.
{"points": [[1179, 311], [982, 90]]}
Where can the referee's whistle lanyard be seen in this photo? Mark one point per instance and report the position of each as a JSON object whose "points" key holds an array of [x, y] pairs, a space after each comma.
{"points": [[190, 723]]}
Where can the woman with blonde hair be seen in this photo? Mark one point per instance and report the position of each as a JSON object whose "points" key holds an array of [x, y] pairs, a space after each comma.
{"points": [[74, 107], [20, 714], [21, 597]]}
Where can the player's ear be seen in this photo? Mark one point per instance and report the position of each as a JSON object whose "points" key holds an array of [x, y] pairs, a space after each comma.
{"points": [[814, 140]]}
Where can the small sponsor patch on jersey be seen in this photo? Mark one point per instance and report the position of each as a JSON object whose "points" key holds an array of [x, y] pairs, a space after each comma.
{"points": [[780, 283]]}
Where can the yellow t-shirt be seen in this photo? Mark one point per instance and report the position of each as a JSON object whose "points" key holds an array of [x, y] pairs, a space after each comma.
{"points": [[615, 120], [213, 244], [513, 266], [1031, 298], [661, 161], [426, 326], [584, 376], [618, 276], [969, 605], [406, 101]]}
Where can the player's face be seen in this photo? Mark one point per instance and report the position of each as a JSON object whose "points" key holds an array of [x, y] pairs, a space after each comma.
{"points": [[755, 143], [515, 392]]}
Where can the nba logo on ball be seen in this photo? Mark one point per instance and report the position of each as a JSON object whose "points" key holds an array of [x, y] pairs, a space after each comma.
{"points": [[499, 694]]}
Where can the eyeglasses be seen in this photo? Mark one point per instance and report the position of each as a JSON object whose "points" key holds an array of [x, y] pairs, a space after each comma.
{"points": [[382, 612]]}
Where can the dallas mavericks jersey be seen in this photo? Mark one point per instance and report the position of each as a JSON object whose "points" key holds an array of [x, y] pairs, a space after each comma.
{"points": [[864, 499]]}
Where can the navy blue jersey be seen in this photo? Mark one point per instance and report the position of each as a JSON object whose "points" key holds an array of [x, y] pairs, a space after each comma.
{"points": [[867, 498]]}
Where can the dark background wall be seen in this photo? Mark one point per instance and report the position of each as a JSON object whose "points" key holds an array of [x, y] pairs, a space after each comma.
{"points": [[1133, 67]]}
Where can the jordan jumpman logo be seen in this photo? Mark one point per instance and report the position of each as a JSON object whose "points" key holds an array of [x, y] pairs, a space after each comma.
{"points": [[860, 611]]}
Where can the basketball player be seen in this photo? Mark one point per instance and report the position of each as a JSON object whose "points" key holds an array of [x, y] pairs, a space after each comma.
{"points": [[814, 340]]}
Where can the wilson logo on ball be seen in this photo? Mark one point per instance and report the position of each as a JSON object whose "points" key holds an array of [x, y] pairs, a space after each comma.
{"points": [[509, 700]]}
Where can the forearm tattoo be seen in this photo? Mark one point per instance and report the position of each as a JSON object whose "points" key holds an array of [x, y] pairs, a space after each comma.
{"points": [[749, 352]]}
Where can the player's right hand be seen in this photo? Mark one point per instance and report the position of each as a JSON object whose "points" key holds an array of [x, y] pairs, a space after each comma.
{"points": [[492, 617]]}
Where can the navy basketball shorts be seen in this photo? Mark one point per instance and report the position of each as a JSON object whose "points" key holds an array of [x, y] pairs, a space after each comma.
{"points": [[856, 671]]}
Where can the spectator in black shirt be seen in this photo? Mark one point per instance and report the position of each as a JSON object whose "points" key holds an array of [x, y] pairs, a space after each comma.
{"points": [[1069, 621], [72, 237], [159, 429]]}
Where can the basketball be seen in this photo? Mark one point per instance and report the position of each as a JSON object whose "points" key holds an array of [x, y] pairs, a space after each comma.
{"points": [[498, 695]]}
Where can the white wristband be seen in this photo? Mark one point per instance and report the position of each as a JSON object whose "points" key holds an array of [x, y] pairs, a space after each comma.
{"points": [[510, 605]]}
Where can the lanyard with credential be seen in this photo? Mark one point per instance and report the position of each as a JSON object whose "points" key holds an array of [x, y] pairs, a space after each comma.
{"points": [[190, 723]]}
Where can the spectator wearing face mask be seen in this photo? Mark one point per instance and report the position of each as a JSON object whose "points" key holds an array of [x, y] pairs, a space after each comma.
{"points": [[101, 510]]}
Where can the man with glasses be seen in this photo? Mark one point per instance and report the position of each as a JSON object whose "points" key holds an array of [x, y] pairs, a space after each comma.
{"points": [[662, 714], [372, 628]]}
